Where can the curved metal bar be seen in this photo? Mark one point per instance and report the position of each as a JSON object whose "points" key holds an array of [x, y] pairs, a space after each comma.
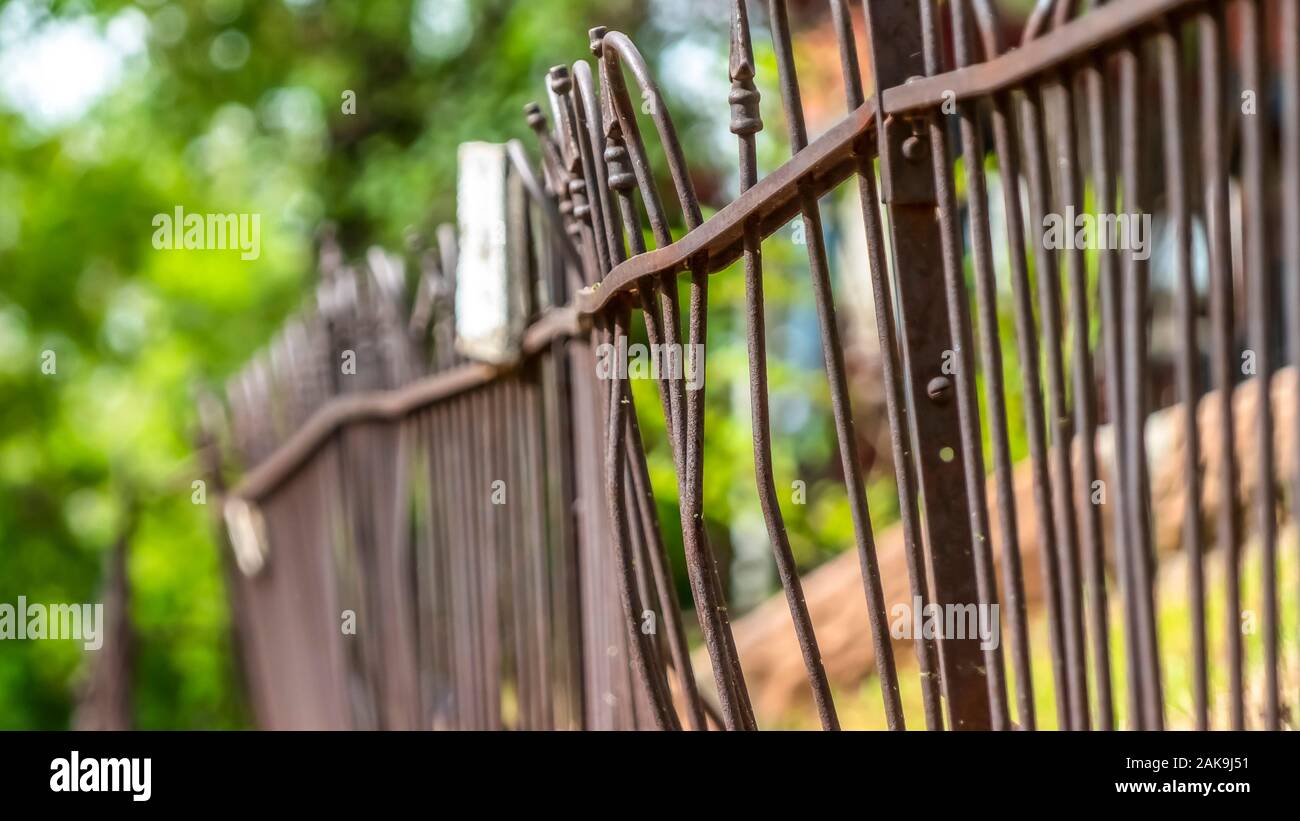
{"points": [[661, 570], [685, 409], [587, 107], [593, 203], [746, 121], [1038, 21], [771, 203], [573, 175], [515, 152], [624, 146], [616, 47], [645, 658]]}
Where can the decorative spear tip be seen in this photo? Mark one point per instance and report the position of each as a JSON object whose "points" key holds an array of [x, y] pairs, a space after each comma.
{"points": [[744, 96], [742, 50]]}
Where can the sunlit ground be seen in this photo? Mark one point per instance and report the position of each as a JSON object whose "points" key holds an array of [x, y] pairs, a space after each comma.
{"points": [[863, 709]]}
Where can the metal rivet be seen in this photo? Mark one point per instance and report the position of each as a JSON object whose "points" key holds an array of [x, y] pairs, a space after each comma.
{"points": [[939, 389]]}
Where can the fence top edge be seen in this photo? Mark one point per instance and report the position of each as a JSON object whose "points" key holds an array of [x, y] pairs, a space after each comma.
{"points": [[391, 405]]}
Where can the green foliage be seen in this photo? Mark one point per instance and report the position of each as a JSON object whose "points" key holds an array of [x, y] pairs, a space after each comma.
{"points": [[237, 106], [231, 106]]}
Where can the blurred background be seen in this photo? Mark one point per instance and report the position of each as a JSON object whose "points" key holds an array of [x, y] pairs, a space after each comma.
{"points": [[112, 112]]}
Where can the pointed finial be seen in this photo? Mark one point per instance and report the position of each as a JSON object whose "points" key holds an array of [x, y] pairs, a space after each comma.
{"points": [[744, 97]]}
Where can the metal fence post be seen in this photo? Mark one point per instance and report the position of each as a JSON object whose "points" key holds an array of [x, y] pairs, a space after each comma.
{"points": [[908, 189]]}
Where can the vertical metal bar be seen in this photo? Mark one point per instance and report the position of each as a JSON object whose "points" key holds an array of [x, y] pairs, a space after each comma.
{"points": [[489, 426], [745, 123], [900, 32], [479, 425], [444, 615], [696, 538], [841, 405], [1223, 360], [645, 660], [466, 543], [968, 417], [528, 607], [1259, 291], [991, 362], [1104, 188], [628, 163], [900, 440], [646, 591], [663, 576], [1085, 415], [1289, 24], [542, 617], [1048, 280], [1169, 45], [686, 418], [557, 420], [1008, 155], [580, 109], [1137, 484]]}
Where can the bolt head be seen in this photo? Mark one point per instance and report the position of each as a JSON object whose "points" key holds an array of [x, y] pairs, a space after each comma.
{"points": [[939, 389]]}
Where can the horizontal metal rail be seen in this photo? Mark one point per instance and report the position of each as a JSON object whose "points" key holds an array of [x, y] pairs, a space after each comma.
{"points": [[830, 160], [374, 406], [1102, 27], [719, 241]]}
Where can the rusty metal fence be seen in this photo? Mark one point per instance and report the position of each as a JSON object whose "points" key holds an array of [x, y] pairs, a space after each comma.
{"points": [[529, 614]]}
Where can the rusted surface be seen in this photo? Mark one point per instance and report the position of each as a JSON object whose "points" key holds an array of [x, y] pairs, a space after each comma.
{"points": [[530, 614]]}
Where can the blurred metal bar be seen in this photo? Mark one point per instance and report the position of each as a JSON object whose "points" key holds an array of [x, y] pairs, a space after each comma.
{"points": [[1211, 48], [977, 203], [1289, 25], [1033, 130], [1259, 293], [895, 402], [1169, 47], [1134, 453]]}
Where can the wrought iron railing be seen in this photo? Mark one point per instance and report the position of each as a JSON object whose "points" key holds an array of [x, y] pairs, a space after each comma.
{"points": [[1125, 110]]}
